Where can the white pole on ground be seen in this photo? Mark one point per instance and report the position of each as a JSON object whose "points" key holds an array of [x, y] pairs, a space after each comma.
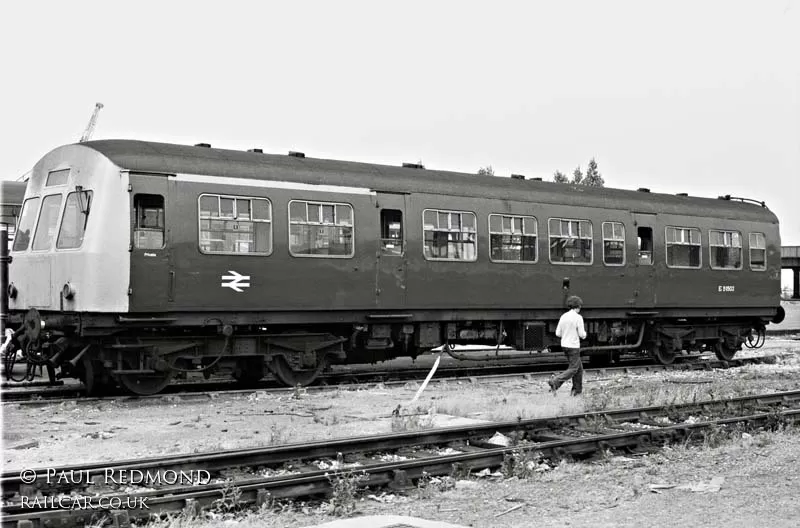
{"points": [[427, 379]]}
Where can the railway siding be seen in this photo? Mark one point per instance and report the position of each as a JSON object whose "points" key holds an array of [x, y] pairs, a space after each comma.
{"points": [[257, 490]]}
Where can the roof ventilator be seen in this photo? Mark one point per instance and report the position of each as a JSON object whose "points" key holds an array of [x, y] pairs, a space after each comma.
{"points": [[413, 165], [296, 154], [205, 145]]}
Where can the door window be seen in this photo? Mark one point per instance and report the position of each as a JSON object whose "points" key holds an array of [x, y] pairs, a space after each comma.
{"points": [[148, 229], [391, 232], [644, 236]]}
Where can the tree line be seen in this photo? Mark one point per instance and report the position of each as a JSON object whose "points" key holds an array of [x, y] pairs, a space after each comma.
{"points": [[591, 178]]}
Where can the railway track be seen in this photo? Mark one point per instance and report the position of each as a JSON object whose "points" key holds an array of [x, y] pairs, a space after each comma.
{"points": [[37, 394], [293, 471]]}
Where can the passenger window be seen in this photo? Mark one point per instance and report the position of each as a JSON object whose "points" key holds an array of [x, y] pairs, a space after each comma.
{"points": [[512, 238], [320, 229], [76, 217], [683, 247], [148, 230], [570, 241], [758, 251], [46, 227], [26, 220], [644, 236], [391, 232], [725, 249], [449, 235], [613, 243], [235, 225]]}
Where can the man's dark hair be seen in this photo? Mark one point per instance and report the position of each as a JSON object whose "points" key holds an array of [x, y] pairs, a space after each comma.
{"points": [[574, 302]]}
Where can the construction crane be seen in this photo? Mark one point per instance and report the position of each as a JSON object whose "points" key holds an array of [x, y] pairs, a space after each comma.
{"points": [[87, 134]]}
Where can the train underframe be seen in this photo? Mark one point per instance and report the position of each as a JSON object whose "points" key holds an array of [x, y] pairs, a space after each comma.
{"points": [[143, 354]]}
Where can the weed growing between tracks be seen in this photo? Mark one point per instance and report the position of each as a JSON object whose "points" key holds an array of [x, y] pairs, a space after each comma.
{"points": [[524, 463], [429, 486], [345, 486]]}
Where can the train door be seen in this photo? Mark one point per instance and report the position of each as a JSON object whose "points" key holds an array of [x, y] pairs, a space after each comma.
{"points": [[390, 289], [152, 282], [644, 260]]}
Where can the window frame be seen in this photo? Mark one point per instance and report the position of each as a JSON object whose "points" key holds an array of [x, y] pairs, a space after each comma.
{"points": [[137, 228], [711, 250], [29, 244], [320, 202], [513, 216], [750, 250], [383, 240], [90, 195], [56, 224], [235, 218], [47, 183], [550, 237], [449, 212], [623, 240], [699, 244]]}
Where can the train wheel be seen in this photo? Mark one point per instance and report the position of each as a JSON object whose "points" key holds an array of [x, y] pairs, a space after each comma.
{"points": [[94, 378], [291, 377], [724, 352], [145, 384], [665, 356]]}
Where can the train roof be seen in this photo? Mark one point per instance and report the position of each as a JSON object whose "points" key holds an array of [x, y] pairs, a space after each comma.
{"points": [[145, 156]]}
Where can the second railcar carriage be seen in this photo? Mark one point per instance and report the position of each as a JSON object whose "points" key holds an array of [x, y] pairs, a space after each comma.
{"points": [[136, 260]]}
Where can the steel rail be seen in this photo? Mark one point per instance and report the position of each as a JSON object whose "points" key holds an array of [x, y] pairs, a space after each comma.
{"points": [[188, 390], [314, 483], [11, 481]]}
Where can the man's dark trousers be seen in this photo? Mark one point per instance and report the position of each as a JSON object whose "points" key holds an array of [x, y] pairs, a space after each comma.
{"points": [[574, 371]]}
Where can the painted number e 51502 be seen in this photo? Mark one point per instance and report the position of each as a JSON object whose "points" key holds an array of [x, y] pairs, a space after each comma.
{"points": [[726, 288]]}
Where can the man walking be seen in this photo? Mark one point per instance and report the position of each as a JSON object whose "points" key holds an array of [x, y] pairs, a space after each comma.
{"points": [[570, 329]]}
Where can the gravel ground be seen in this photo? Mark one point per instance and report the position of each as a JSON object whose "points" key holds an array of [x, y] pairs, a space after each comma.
{"points": [[609, 493]]}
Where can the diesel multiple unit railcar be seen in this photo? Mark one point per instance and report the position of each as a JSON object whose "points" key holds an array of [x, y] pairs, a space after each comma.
{"points": [[136, 260]]}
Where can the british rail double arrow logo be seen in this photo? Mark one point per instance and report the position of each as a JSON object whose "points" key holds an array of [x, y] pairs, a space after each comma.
{"points": [[237, 281]]}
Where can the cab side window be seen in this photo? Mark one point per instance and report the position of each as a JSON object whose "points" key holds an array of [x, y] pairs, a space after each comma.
{"points": [[26, 220], [148, 229], [76, 217]]}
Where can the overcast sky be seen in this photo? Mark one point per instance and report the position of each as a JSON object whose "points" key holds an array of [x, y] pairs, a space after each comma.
{"points": [[697, 97]]}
